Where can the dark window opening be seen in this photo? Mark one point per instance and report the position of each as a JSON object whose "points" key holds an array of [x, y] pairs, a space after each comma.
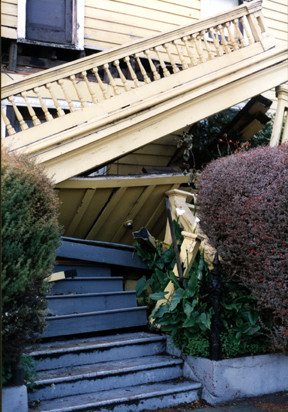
{"points": [[49, 21]]}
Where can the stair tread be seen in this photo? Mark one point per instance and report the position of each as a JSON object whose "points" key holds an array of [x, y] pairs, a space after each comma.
{"points": [[76, 345], [103, 369], [99, 312], [80, 279], [83, 295], [117, 396]]}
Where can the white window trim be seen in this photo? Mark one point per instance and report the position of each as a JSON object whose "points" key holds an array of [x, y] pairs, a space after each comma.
{"points": [[77, 23]]}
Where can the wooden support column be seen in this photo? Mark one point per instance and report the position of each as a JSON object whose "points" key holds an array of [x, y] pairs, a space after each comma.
{"points": [[12, 56], [281, 112]]}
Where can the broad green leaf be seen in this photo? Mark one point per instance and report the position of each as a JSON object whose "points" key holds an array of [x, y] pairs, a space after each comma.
{"points": [[177, 297], [141, 285], [158, 295], [188, 307]]}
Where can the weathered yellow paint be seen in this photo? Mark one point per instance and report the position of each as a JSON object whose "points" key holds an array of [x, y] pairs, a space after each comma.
{"points": [[97, 208], [159, 121], [281, 117], [56, 276], [276, 17]]}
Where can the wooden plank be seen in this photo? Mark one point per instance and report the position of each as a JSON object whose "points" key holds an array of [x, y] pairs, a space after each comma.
{"points": [[9, 21], [123, 170], [100, 252], [280, 7], [278, 25], [123, 181], [140, 159], [163, 8], [139, 10], [81, 210], [95, 36], [118, 217], [157, 149], [9, 8], [68, 200], [96, 228], [8, 32], [133, 212], [116, 27], [92, 211], [56, 276], [126, 20]]}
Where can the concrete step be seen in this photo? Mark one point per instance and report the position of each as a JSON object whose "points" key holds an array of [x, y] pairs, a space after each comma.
{"points": [[84, 269], [90, 302], [129, 399], [73, 324], [63, 354], [87, 285], [62, 382]]}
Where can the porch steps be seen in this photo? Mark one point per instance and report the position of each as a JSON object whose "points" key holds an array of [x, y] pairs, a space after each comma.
{"points": [[124, 372], [89, 358]]}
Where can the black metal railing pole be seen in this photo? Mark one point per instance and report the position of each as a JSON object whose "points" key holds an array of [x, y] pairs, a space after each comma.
{"points": [[216, 289], [174, 241]]}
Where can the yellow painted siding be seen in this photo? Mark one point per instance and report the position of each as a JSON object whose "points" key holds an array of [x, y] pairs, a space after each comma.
{"points": [[110, 23], [276, 17], [9, 19]]}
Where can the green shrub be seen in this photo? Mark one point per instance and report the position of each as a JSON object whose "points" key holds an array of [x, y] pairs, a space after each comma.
{"points": [[243, 207], [187, 317], [30, 236]]}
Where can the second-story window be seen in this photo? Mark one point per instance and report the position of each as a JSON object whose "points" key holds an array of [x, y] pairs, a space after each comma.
{"points": [[56, 22], [49, 21]]}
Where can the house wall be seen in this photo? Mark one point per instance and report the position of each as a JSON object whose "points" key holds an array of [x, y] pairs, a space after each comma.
{"points": [[9, 12], [110, 23], [276, 17]]}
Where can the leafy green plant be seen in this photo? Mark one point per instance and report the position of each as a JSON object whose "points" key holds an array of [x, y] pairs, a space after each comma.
{"points": [[30, 236], [187, 316]]}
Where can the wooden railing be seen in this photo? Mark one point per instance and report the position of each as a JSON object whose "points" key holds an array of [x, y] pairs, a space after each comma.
{"points": [[184, 213], [77, 85]]}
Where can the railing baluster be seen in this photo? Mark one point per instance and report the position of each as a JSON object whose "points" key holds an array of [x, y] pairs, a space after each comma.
{"points": [[19, 116], [216, 43], [174, 66], [131, 71], [80, 97], [182, 60], [47, 115], [92, 94], [198, 47], [246, 30], [7, 123], [231, 38], [207, 46], [166, 72], [156, 75], [190, 54], [111, 79], [142, 69], [238, 33], [67, 98], [122, 77], [60, 112], [31, 111], [223, 39], [101, 85]]}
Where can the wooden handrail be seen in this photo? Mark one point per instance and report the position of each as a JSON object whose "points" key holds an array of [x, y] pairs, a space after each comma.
{"points": [[137, 64]]}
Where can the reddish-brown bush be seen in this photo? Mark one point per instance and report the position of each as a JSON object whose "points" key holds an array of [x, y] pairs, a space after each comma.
{"points": [[243, 209]]}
